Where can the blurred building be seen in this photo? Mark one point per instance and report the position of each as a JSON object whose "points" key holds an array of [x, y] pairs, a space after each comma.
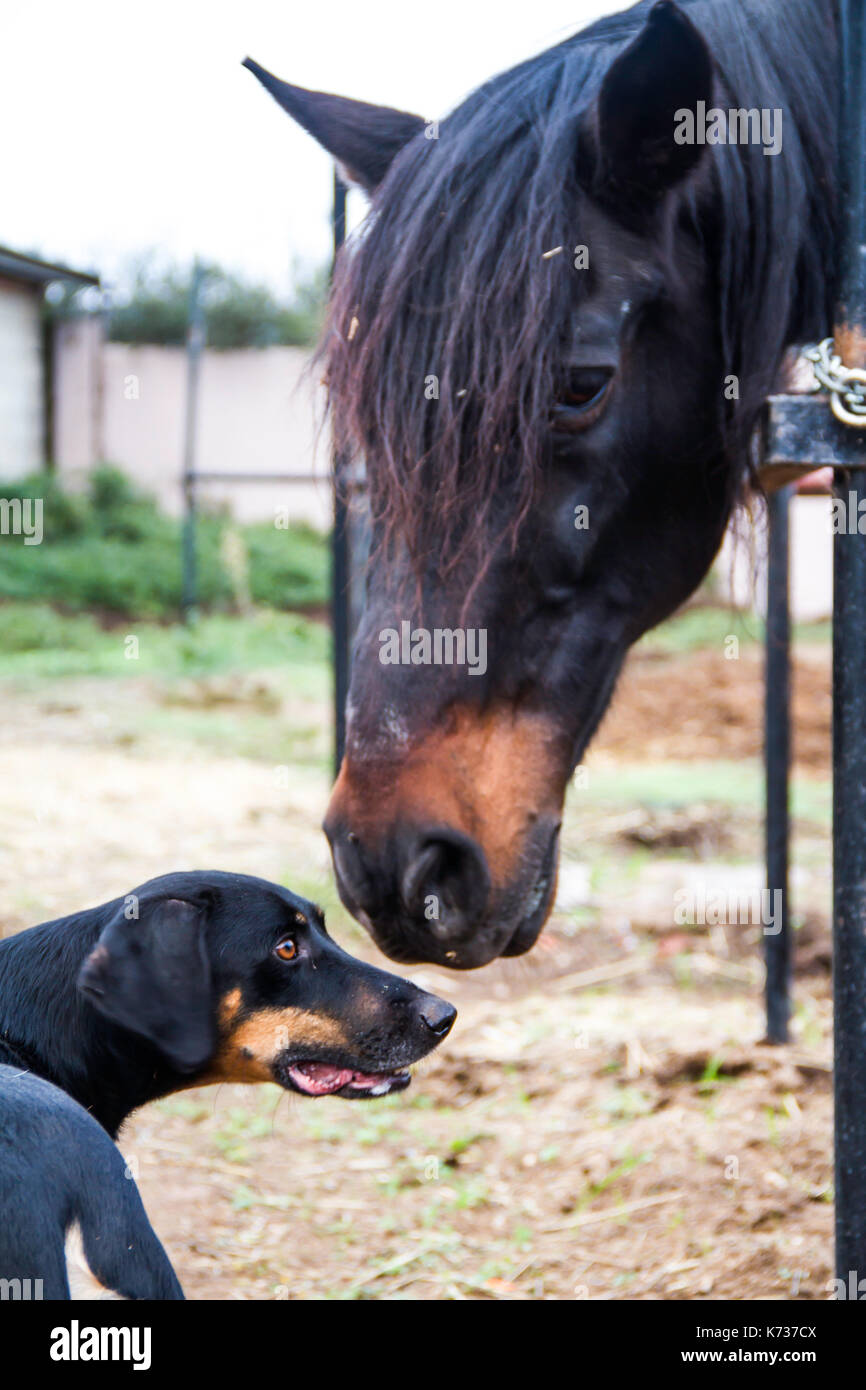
{"points": [[27, 360]]}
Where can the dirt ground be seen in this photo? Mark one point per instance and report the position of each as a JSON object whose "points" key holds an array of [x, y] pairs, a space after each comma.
{"points": [[604, 1121], [717, 710]]}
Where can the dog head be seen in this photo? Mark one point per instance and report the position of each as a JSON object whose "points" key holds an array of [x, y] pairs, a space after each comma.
{"points": [[232, 978]]}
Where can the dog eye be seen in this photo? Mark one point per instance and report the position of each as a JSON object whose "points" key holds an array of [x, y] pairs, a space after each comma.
{"points": [[581, 398], [287, 950]]}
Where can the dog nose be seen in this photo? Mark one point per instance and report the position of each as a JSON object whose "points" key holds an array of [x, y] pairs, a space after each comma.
{"points": [[438, 1015], [446, 883]]}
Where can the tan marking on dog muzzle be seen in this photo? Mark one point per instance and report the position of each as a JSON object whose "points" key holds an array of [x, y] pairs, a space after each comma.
{"points": [[487, 775], [250, 1049]]}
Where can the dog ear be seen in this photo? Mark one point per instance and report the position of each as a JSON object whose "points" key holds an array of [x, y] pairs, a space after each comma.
{"points": [[150, 973]]}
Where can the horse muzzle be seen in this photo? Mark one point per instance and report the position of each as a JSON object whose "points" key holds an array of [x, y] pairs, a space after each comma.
{"points": [[445, 845], [427, 894]]}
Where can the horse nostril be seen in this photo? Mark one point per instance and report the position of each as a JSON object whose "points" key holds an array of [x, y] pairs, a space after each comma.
{"points": [[438, 1015], [446, 881]]}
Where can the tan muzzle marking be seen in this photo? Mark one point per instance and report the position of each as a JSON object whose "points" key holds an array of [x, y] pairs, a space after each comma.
{"points": [[250, 1048], [488, 775]]}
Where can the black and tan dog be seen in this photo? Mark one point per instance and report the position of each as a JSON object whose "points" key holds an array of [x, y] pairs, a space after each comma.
{"points": [[190, 979]]}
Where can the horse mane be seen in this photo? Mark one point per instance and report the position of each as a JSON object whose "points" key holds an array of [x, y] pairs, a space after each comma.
{"points": [[447, 277]]}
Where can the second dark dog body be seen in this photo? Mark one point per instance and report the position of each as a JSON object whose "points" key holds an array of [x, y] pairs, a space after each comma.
{"points": [[192, 978], [63, 1182]]}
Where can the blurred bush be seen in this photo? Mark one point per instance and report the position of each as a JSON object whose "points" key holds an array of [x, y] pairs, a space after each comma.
{"points": [[110, 549]]}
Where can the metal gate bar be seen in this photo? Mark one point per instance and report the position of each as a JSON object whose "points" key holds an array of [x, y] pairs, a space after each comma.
{"points": [[195, 341], [777, 755], [849, 689], [800, 435]]}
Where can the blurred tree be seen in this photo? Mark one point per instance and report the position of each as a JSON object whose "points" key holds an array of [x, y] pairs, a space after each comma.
{"points": [[239, 312]]}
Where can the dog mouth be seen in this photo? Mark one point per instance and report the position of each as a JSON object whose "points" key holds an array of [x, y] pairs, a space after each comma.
{"points": [[327, 1079]]}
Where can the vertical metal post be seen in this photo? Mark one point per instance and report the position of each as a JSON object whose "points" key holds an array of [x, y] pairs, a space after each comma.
{"points": [[849, 688], [195, 341], [777, 753], [340, 540]]}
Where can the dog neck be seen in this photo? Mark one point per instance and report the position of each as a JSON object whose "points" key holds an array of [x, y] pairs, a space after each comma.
{"points": [[47, 1027]]}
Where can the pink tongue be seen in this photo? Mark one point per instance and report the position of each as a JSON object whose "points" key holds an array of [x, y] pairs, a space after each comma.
{"points": [[319, 1078]]}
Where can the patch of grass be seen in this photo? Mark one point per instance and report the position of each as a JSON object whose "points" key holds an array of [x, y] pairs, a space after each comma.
{"points": [[808, 1024], [38, 641], [242, 733], [703, 628], [461, 1142], [674, 785], [192, 1110], [708, 628], [427, 1252], [238, 1128], [626, 1165], [380, 1122], [470, 1192], [321, 1127], [243, 1198], [713, 1076], [627, 1103]]}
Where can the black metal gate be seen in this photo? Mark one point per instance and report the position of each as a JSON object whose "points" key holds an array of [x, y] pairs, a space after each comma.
{"points": [[801, 434]]}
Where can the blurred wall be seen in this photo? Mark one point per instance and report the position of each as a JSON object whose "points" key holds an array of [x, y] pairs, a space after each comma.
{"points": [[257, 414], [741, 568], [22, 403]]}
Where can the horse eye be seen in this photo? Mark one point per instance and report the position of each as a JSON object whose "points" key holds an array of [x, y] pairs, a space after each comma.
{"points": [[581, 397], [287, 950]]}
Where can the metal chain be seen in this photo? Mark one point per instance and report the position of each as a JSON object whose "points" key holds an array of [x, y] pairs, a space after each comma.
{"points": [[846, 385]]}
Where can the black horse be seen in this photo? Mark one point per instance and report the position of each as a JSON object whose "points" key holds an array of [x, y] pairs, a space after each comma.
{"points": [[550, 342]]}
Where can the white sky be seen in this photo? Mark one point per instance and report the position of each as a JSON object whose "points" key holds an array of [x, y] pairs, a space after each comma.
{"points": [[129, 127]]}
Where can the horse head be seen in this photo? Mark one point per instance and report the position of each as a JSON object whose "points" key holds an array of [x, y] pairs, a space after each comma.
{"points": [[549, 342]]}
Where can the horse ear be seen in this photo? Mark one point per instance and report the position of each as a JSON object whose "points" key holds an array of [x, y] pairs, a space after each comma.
{"points": [[628, 151], [362, 138]]}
